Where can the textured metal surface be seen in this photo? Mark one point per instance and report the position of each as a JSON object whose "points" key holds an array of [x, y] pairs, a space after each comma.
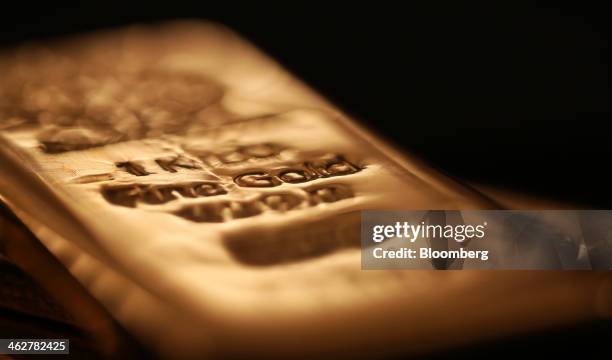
{"points": [[211, 202]]}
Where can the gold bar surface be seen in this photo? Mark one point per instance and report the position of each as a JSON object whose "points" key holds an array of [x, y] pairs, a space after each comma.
{"points": [[211, 202]]}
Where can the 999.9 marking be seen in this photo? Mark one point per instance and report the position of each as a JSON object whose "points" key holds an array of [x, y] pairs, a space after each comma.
{"points": [[34, 346]]}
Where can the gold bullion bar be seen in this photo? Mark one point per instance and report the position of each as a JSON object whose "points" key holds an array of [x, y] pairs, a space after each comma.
{"points": [[211, 202]]}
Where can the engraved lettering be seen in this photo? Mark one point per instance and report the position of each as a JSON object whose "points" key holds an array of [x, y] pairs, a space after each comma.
{"points": [[171, 163], [261, 150], [257, 179], [238, 154], [232, 157], [275, 202], [294, 174], [328, 193], [219, 212], [133, 167], [130, 195], [333, 166], [281, 202]]}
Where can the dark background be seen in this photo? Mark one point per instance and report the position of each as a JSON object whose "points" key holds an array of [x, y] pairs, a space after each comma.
{"points": [[513, 96]]}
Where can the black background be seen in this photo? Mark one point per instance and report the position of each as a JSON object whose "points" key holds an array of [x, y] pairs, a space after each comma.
{"points": [[513, 96]]}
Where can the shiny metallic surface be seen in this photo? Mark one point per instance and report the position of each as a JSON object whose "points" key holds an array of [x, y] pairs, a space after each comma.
{"points": [[210, 201]]}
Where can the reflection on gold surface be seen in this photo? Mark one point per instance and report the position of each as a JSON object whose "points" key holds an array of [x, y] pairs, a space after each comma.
{"points": [[210, 202]]}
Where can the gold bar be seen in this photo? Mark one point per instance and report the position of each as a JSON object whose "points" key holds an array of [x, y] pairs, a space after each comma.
{"points": [[210, 201]]}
